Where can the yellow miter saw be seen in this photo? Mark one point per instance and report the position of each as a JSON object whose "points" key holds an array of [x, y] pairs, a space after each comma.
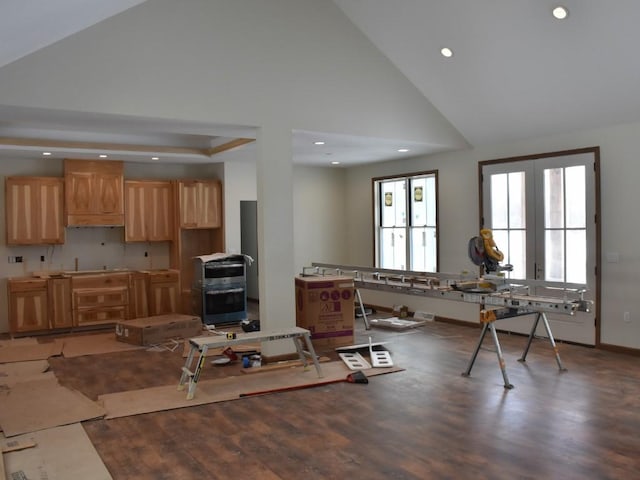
{"points": [[484, 252]]}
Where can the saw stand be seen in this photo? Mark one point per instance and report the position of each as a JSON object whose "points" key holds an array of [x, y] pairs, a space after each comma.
{"points": [[364, 314], [488, 318]]}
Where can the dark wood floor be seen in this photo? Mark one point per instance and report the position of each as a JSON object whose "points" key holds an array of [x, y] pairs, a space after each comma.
{"points": [[427, 422]]}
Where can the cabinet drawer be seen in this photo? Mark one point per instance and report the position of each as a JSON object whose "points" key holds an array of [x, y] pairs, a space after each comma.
{"points": [[98, 298], [162, 277], [26, 285], [98, 316], [86, 282]]}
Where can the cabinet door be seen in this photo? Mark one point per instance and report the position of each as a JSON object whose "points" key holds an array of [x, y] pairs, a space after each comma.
{"points": [[188, 199], [60, 311], [28, 306], [159, 201], [210, 203], [33, 210], [135, 223], [79, 193], [138, 297], [50, 214], [20, 204], [200, 204], [164, 288], [108, 199]]}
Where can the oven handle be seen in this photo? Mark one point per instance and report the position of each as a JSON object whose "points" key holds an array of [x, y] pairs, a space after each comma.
{"points": [[222, 292], [224, 265]]}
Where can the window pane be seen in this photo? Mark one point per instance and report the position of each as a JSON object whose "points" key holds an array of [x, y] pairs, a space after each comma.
{"points": [[516, 200], [394, 205], [418, 202], [577, 256], [554, 256], [553, 198], [517, 253], [499, 201], [423, 249], [576, 197], [430, 197], [393, 248]]}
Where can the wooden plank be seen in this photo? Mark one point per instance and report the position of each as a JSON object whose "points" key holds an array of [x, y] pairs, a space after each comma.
{"points": [[280, 365], [15, 445]]}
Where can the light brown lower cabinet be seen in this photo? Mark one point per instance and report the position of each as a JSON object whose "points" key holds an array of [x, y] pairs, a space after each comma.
{"points": [[40, 304], [28, 304], [164, 292], [101, 298], [60, 306], [138, 295]]}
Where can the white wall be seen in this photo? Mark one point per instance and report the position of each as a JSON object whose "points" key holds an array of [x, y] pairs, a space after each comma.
{"points": [[620, 196], [320, 232], [239, 184]]}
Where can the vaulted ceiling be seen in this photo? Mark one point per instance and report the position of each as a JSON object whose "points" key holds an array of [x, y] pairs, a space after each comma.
{"points": [[516, 71]]}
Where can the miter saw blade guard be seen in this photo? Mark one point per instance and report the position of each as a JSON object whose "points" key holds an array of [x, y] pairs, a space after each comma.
{"points": [[484, 252]]}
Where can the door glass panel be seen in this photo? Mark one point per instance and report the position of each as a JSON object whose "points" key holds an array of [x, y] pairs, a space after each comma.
{"points": [[499, 201], [393, 248], [553, 198], [517, 202], [576, 197], [508, 219], [554, 249], [517, 255], [423, 249], [576, 256]]}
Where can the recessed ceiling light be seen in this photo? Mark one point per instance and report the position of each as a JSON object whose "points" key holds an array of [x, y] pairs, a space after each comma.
{"points": [[403, 150], [46, 154], [335, 163], [446, 52], [155, 158], [318, 143], [560, 12], [103, 156]]}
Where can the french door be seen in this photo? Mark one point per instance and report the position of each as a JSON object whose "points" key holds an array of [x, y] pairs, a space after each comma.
{"points": [[542, 211]]}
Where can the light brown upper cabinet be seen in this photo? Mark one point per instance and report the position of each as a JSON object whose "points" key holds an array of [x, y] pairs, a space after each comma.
{"points": [[148, 211], [94, 192], [200, 203], [34, 210]]}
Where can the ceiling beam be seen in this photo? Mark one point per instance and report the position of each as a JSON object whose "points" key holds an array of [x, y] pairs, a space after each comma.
{"points": [[229, 145], [101, 146]]}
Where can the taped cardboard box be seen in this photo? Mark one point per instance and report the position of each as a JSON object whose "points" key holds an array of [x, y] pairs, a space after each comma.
{"points": [[324, 306], [158, 329]]}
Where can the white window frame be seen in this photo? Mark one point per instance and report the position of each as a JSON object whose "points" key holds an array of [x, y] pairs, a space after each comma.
{"points": [[378, 199]]}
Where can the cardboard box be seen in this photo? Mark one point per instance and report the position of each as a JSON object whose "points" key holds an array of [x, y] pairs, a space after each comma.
{"points": [[324, 306], [158, 329]]}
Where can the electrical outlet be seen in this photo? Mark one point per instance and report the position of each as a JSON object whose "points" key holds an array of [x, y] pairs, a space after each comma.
{"points": [[11, 259], [626, 317]]}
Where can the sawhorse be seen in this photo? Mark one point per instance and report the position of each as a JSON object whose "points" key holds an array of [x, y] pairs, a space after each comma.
{"points": [[203, 344], [488, 318]]}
